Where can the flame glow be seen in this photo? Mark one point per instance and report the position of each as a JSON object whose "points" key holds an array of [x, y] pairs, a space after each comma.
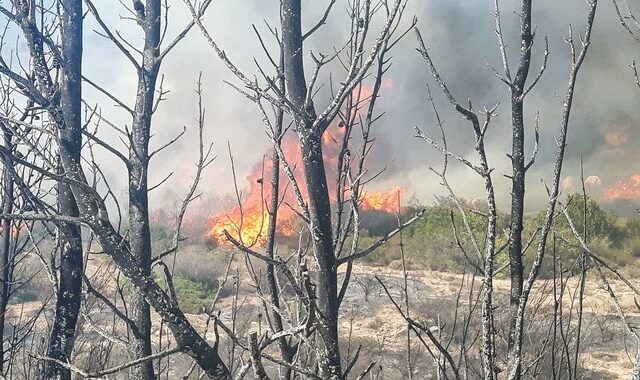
{"points": [[250, 227], [629, 190], [382, 200], [249, 224]]}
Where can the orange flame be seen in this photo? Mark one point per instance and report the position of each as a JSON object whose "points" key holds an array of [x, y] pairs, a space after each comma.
{"points": [[14, 230], [250, 226], [382, 200], [250, 223], [624, 190]]}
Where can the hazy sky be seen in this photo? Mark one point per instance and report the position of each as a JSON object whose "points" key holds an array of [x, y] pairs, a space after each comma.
{"points": [[461, 38]]}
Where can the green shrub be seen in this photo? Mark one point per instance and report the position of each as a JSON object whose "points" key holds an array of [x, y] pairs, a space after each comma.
{"points": [[193, 296], [600, 223], [30, 282], [632, 246], [614, 256], [196, 275], [430, 244], [25, 293]]}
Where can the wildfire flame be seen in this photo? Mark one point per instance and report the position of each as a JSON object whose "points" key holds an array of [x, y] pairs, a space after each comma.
{"points": [[624, 190], [249, 223], [382, 200]]}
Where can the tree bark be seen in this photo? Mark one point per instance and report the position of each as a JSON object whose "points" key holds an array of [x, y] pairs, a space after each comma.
{"points": [[139, 231], [326, 279], [287, 351], [5, 256], [518, 176], [318, 195], [69, 292]]}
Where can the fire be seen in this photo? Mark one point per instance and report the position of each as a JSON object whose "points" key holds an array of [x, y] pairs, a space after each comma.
{"points": [[383, 200], [249, 224], [14, 230], [624, 190]]}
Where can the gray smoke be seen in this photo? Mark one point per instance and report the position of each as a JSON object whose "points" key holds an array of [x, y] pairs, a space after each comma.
{"points": [[461, 38]]}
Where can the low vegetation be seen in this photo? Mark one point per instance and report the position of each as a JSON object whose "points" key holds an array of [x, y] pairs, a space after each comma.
{"points": [[431, 243]]}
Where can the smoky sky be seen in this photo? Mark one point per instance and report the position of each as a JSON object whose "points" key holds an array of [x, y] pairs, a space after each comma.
{"points": [[460, 35]]}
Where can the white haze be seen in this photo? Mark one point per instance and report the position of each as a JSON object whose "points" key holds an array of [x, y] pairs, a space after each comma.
{"points": [[461, 38]]}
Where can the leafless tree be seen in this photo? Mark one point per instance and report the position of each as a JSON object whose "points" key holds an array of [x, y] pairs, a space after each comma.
{"points": [[53, 183], [521, 286], [70, 138], [294, 97], [63, 103], [63, 108]]}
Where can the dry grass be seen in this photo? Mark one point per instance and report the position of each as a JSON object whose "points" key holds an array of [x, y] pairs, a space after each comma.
{"points": [[376, 326]]}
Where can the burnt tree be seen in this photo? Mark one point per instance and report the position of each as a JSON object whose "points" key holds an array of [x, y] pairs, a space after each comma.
{"points": [[70, 141], [63, 113]]}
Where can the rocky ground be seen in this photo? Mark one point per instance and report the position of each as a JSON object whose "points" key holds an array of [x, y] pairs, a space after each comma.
{"points": [[370, 319]]}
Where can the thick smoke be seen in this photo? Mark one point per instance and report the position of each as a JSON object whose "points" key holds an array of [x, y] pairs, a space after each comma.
{"points": [[461, 38]]}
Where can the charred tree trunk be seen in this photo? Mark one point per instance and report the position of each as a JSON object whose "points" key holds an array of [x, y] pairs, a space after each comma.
{"points": [[113, 243], [91, 205], [287, 350], [310, 136], [5, 256], [95, 214], [69, 292], [139, 231], [327, 279], [518, 176], [140, 240]]}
